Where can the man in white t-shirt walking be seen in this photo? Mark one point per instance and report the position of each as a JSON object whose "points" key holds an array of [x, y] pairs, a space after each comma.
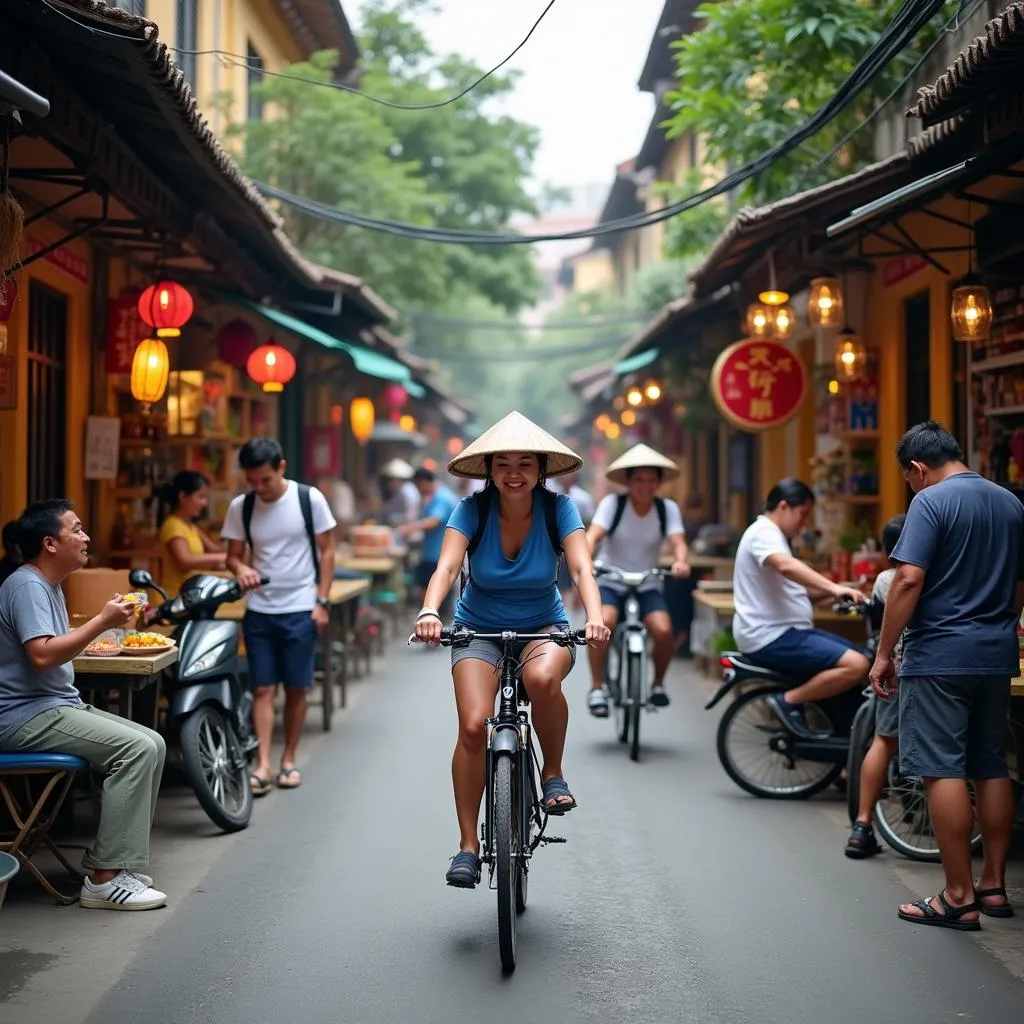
{"points": [[633, 527], [773, 624], [289, 530]]}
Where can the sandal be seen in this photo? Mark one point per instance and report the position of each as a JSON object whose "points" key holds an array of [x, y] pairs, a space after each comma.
{"points": [[597, 702], [950, 918], [862, 842], [289, 778], [465, 870], [553, 789], [259, 785], [993, 909]]}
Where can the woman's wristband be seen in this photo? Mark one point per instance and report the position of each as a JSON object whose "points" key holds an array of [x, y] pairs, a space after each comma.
{"points": [[425, 611]]}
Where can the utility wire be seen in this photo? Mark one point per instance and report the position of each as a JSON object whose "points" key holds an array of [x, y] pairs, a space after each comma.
{"points": [[242, 61], [908, 21]]}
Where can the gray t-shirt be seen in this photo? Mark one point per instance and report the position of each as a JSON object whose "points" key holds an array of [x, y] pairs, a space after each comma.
{"points": [[30, 607], [968, 536]]}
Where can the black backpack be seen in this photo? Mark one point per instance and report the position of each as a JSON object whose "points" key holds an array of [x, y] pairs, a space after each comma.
{"points": [[249, 503], [620, 508], [482, 500]]}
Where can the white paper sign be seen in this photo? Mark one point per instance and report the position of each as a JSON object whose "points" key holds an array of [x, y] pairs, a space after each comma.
{"points": [[102, 442]]}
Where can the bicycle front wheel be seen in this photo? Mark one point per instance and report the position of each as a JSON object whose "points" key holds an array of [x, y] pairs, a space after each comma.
{"points": [[506, 855], [635, 691], [862, 733]]}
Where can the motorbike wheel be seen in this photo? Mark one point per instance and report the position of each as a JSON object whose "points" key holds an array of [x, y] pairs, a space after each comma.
{"points": [[862, 733], [216, 768], [744, 734]]}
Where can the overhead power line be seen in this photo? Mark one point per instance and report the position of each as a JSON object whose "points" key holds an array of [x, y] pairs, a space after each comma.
{"points": [[909, 20]]}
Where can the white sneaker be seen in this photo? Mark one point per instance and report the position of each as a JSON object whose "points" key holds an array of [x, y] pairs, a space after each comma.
{"points": [[124, 891]]}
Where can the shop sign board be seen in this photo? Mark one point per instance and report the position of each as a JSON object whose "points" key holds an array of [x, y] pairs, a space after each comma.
{"points": [[758, 384], [62, 258], [125, 329], [102, 444], [323, 452], [902, 267], [8, 383]]}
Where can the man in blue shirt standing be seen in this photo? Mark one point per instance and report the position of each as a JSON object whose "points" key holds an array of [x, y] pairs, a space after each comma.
{"points": [[438, 505], [959, 559]]}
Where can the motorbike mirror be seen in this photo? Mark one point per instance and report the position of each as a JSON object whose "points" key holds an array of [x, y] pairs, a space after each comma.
{"points": [[144, 581]]}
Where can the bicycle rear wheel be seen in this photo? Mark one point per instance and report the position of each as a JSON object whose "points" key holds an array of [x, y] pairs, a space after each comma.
{"points": [[506, 855], [862, 734], [635, 703]]}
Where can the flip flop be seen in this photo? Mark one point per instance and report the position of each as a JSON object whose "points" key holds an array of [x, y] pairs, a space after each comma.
{"points": [[289, 778], [553, 789], [259, 785], [950, 918], [993, 909]]}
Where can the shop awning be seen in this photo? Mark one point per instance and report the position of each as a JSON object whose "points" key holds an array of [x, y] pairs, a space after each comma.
{"points": [[637, 362], [917, 191], [373, 364]]}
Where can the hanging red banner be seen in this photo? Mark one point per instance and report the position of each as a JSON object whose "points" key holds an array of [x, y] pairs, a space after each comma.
{"points": [[125, 330], [757, 384], [8, 296]]}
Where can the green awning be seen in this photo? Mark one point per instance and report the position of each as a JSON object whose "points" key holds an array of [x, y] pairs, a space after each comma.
{"points": [[637, 362], [373, 364]]}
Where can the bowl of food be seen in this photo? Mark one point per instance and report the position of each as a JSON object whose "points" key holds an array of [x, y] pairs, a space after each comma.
{"points": [[146, 643], [106, 645]]}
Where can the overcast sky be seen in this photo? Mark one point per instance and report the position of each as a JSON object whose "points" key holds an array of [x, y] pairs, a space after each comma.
{"points": [[580, 70]]}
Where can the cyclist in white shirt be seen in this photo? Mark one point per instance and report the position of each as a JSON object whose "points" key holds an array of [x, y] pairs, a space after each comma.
{"points": [[773, 624], [633, 527]]}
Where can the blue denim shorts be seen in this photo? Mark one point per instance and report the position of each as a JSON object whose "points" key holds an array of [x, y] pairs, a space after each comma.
{"points": [[887, 718], [649, 601], [280, 648], [954, 727], [800, 654]]}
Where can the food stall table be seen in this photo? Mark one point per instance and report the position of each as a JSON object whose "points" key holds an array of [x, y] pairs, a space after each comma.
{"points": [[341, 623], [125, 673], [387, 571]]}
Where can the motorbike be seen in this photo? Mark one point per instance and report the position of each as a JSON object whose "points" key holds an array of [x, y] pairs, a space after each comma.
{"points": [[210, 710], [760, 753]]}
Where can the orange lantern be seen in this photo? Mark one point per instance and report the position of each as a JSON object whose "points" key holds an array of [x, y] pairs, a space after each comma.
{"points": [[337, 415], [166, 306], [407, 423], [151, 367], [361, 416], [271, 366], [455, 445]]}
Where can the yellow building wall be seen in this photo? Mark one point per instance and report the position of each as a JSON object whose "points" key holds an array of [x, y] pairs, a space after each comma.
{"points": [[593, 271]]}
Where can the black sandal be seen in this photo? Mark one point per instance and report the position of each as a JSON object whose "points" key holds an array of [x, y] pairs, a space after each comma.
{"points": [[950, 918], [999, 909], [259, 785], [862, 842]]}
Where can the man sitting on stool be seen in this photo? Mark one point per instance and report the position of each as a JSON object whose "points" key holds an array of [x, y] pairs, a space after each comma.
{"points": [[42, 712]]}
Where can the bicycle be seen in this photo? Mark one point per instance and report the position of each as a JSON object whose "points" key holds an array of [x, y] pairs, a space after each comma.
{"points": [[515, 817], [630, 646]]}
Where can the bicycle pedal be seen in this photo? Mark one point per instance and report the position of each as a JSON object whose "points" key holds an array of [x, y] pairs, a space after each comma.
{"points": [[553, 839]]}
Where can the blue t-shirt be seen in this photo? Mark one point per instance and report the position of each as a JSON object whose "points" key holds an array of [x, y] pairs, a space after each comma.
{"points": [[968, 536], [441, 504], [518, 593]]}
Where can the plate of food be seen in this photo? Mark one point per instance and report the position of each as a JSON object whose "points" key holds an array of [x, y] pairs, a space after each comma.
{"points": [[106, 645], [146, 643]]}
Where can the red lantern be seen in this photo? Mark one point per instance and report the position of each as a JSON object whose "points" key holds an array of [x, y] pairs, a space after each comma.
{"points": [[166, 306], [235, 342], [394, 395], [271, 366]]}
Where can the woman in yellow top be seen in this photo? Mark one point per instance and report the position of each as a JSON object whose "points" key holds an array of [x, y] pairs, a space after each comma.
{"points": [[188, 549]]}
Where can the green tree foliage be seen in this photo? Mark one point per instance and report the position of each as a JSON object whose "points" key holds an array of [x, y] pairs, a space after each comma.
{"points": [[460, 165], [759, 68]]}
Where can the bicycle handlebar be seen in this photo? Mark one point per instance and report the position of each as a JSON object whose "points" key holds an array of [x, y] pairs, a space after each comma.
{"points": [[634, 579], [462, 637]]}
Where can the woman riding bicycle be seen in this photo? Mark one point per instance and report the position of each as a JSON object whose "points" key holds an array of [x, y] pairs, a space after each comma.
{"points": [[512, 586]]}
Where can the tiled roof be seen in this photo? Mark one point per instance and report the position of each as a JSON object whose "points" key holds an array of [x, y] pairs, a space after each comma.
{"points": [[991, 62]]}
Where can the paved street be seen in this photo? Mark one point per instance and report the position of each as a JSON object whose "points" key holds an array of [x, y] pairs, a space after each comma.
{"points": [[678, 898]]}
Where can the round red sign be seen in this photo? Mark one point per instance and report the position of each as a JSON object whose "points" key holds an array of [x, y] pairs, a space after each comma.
{"points": [[758, 384]]}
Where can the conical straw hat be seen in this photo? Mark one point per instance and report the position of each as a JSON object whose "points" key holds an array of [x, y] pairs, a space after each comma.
{"points": [[514, 433], [640, 456], [398, 469]]}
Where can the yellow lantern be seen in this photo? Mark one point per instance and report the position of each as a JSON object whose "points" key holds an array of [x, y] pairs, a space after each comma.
{"points": [[628, 417], [783, 320], [833, 387], [150, 368], [602, 422], [612, 431], [361, 416], [759, 321], [407, 423], [652, 391], [972, 311], [773, 297], [635, 397], [825, 303], [850, 355]]}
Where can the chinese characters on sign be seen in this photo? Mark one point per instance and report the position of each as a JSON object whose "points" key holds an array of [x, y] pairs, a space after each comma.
{"points": [[125, 330], [758, 384]]}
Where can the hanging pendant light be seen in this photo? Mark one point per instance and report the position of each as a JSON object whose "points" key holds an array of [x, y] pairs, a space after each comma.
{"points": [[972, 310], [782, 322], [151, 367], [271, 366], [825, 303], [760, 321], [166, 307], [773, 296], [851, 355]]}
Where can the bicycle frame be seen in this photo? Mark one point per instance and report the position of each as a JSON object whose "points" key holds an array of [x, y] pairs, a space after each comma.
{"points": [[630, 636]]}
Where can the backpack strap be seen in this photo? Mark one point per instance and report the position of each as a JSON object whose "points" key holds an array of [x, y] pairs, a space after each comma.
{"points": [[620, 508], [659, 505], [482, 501], [248, 504], [551, 522], [306, 505]]}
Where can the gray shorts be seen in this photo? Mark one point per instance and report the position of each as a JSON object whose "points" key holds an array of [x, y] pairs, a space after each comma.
{"points": [[490, 650], [954, 727], [887, 718]]}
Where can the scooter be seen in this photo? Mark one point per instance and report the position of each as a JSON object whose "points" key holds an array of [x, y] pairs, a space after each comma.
{"points": [[210, 710]]}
